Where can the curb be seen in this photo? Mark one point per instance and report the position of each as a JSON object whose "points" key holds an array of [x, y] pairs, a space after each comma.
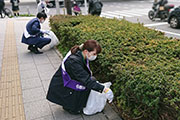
{"points": [[57, 51]]}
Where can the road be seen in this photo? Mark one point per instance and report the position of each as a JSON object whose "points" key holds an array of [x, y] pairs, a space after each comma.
{"points": [[137, 11], [132, 10]]}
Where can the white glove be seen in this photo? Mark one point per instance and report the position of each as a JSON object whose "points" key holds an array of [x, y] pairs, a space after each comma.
{"points": [[107, 84], [45, 31], [109, 94]]}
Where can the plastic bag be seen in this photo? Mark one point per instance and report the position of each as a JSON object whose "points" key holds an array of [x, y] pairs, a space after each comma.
{"points": [[54, 39], [96, 101]]}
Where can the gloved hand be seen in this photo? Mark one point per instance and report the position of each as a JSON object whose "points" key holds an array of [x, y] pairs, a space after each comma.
{"points": [[109, 94], [45, 31], [107, 84]]}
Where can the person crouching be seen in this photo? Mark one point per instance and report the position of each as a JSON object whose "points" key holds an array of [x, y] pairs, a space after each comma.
{"points": [[71, 84], [33, 35]]}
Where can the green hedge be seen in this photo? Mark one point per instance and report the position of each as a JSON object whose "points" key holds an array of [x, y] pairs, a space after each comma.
{"points": [[142, 64]]}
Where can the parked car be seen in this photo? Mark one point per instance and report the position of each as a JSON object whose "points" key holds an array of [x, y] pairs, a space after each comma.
{"points": [[174, 18]]}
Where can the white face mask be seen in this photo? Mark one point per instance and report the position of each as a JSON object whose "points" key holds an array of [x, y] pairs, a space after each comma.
{"points": [[42, 21], [92, 57]]}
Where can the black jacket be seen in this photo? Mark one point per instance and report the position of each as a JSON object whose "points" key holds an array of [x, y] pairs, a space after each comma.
{"points": [[76, 67], [161, 2], [92, 10], [15, 5], [2, 5]]}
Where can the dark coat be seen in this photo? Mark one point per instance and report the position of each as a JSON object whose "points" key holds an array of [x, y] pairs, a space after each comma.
{"points": [[1, 5], [92, 10], [33, 27], [15, 5], [76, 67]]}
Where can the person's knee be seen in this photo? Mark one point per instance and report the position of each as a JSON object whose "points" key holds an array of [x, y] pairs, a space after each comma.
{"points": [[48, 40], [45, 40]]}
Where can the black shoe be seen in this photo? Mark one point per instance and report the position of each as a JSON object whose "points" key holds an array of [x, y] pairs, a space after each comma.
{"points": [[72, 112], [31, 48], [36, 51]]}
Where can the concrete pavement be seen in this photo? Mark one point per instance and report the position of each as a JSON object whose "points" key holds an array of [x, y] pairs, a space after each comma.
{"points": [[25, 77]]}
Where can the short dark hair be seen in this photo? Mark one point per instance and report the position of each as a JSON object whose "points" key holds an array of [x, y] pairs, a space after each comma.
{"points": [[41, 14]]}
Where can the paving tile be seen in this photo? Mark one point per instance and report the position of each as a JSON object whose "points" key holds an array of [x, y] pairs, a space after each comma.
{"points": [[25, 55], [46, 85], [52, 104], [55, 59], [28, 74], [22, 48], [60, 114], [31, 83], [23, 67], [45, 118], [98, 116], [46, 75], [56, 65], [51, 53], [38, 109], [45, 67], [40, 59], [25, 58], [110, 113], [78, 118], [32, 95]]}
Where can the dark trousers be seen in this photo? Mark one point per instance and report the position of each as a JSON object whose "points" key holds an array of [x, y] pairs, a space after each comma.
{"points": [[42, 42], [1, 7], [39, 42], [96, 13]]}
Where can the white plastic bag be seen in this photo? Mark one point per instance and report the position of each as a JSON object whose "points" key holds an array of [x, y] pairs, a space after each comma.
{"points": [[96, 101], [54, 39]]}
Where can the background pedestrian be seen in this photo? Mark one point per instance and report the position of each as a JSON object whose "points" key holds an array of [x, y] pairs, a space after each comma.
{"points": [[1, 7], [95, 7], [15, 7]]}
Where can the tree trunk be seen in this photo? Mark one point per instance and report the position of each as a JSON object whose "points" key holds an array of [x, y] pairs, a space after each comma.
{"points": [[68, 5]]}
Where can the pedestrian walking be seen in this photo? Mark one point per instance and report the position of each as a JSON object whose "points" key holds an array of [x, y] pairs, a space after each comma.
{"points": [[15, 7], [1, 7], [34, 36], [95, 7], [42, 7], [71, 84]]}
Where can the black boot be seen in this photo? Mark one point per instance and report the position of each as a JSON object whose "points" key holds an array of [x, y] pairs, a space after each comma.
{"points": [[36, 51], [72, 112], [31, 48]]}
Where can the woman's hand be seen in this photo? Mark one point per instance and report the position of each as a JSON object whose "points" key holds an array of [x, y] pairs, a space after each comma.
{"points": [[109, 94]]}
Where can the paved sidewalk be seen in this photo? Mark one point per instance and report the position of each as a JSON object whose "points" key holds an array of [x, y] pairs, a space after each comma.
{"points": [[25, 78]]}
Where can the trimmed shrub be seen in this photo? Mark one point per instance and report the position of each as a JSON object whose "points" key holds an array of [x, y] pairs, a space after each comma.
{"points": [[142, 64]]}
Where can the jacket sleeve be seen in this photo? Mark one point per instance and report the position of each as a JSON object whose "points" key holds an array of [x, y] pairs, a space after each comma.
{"points": [[35, 28], [77, 72], [101, 4]]}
